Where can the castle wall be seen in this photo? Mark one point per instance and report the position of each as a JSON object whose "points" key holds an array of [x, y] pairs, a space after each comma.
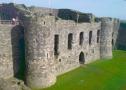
{"points": [[39, 55], [53, 47], [6, 61], [12, 50], [54, 43], [106, 38], [121, 40], [68, 59], [42, 63], [116, 25], [18, 50]]}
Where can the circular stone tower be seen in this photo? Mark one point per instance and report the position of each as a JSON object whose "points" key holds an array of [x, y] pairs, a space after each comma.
{"points": [[39, 54], [106, 38]]}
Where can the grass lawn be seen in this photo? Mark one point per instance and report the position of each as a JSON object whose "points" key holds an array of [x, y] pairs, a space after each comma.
{"points": [[99, 75]]}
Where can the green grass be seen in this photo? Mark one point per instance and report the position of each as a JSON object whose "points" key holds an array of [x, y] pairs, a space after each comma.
{"points": [[99, 75]]}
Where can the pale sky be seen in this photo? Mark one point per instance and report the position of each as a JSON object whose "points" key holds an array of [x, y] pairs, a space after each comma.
{"points": [[112, 8]]}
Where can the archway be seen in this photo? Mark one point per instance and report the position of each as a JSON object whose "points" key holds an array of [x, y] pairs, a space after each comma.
{"points": [[81, 58]]}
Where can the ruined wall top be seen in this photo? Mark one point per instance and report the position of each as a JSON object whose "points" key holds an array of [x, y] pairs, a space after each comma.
{"points": [[24, 13], [7, 11]]}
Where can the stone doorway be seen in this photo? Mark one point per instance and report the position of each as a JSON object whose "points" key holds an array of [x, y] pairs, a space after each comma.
{"points": [[81, 58]]}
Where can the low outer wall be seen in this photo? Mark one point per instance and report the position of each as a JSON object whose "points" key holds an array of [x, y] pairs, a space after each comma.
{"points": [[6, 62]]}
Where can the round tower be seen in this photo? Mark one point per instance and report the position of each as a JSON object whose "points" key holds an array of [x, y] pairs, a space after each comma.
{"points": [[39, 54], [106, 38]]}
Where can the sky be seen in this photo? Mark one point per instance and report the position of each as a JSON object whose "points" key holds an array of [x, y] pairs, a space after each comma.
{"points": [[111, 8]]}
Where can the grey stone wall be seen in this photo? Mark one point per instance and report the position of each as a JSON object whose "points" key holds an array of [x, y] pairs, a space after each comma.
{"points": [[11, 50], [121, 40], [18, 50], [39, 60], [69, 59], [42, 64], [6, 60], [106, 38], [45, 58], [12, 84], [116, 25]]}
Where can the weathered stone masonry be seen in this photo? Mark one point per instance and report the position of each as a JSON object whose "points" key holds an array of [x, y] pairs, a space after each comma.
{"points": [[6, 63], [53, 45]]}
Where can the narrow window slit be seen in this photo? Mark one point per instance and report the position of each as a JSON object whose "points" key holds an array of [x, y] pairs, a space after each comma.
{"points": [[81, 38], [70, 40], [56, 45]]}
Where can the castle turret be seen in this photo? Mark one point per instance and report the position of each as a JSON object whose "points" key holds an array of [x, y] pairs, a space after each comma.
{"points": [[39, 54], [106, 38]]}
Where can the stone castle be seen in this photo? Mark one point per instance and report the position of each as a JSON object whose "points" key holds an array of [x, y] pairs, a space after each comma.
{"points": [[47, 42]]}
